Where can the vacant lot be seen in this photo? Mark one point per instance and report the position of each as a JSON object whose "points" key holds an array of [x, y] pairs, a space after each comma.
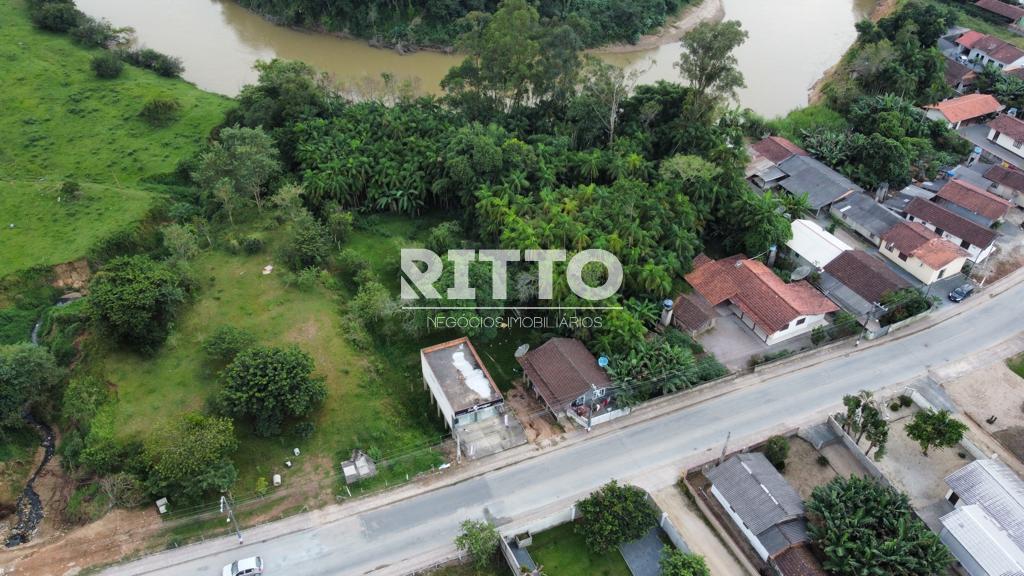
{"points": [[49, 229]]}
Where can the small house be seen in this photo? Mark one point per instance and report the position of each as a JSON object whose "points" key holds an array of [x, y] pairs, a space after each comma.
{"points": [[1008, 132], [767, 511], [972, 202], [568, 378], [693, 314], [460, 384], [865, 216], [976, 239], [985, 530], [959, 77], [982, 49], [968, 109], [815, 245], [772, 309], [921, 252], [1007, 183], [1011, 14], [858, 281]]}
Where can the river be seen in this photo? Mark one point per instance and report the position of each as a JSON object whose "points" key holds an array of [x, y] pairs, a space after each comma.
{"points": [[792, 43]]}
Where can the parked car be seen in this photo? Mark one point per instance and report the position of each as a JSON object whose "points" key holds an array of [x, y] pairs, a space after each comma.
{"points": [[961, 293], [245, 567]]}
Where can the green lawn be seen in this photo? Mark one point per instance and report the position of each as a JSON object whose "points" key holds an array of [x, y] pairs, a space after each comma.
{"points": [[1017, 364], [564, 553], [60, 121], [50, 231]]}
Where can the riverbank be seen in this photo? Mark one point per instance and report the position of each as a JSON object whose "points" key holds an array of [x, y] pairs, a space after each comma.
{"points": [[688, 19], [816, 94]]}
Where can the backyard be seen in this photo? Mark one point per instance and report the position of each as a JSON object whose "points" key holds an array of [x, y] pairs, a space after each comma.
{"points": [[1017, 365], [562, 552]]}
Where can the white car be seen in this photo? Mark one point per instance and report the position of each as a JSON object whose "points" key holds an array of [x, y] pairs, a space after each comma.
{"points": [[246, 567]]}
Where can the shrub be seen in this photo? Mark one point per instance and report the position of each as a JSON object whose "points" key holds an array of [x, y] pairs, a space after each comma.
{"points": [[678, 563], [479, 540], [226, 342], [709, 368], [304, 430], [106, 65], [71, 190], [444, 236], [160, 111], [134, 300], [308, 245], [307, 278], [905, 400], [776, 450], [351, 262], [252, 244], [57, 16], [613, 515], [894, 406], [818, 335], [93, 33], [270, 385], [822, 460], [150, 59]]}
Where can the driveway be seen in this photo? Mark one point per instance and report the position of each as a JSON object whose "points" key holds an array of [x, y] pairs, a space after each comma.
{"points": [[733, 344]]}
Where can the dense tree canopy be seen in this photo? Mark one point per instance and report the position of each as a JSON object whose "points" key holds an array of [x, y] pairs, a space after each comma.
{"points": [[613, 515], [863, 527], [28, 375], [270, 385], [134, 298], [189, 457], [436, 22]]}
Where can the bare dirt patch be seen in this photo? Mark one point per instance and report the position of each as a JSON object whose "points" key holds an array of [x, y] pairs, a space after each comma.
{"points": [[538, 424], [802, 469]]}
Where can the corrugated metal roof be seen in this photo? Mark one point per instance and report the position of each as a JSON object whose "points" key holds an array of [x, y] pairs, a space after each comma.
{"points": [[756, 491], [987, 543], [997, 489], [821, 184]]}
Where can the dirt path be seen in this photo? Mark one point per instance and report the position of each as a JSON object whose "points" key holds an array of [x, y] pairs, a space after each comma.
{"points": [[698, 535], [706, 11]]}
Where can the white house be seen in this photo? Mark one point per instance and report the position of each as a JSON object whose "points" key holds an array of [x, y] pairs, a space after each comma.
{"points": [[1007, 132], [921, 252], [983, 49]]}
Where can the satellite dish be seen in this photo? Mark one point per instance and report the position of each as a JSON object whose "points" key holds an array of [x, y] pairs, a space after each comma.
{"points": [[522, 350], [602, 361], [800, 273]]}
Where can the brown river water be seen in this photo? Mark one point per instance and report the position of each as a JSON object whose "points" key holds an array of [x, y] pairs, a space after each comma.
{"points": [[792, 43]]}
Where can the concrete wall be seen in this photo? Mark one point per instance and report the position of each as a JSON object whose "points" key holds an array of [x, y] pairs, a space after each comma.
{"points": [[794, 329], [436, 392], [1007, 142], [852, 447], [1010, 194]]}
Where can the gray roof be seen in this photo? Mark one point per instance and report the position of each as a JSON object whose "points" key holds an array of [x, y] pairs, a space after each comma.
{"points": [[997, 489], [822, 184], [842, 294], [863, 211], [756, 491]]}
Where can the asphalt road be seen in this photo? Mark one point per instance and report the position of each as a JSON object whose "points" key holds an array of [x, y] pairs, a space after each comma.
{"points": [[378, 541]]}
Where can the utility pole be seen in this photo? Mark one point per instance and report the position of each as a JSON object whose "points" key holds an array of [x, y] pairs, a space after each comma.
{"points": [[225, 506]]}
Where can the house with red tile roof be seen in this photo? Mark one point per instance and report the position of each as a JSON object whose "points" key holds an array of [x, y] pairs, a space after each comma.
{"points": [[1008, 132], [772, 309], [567, 377], [969, 109], [923, 254], [1007, 183], [776, 149], [978, 240], [983, 49], [972, 202], [1009, 13]]}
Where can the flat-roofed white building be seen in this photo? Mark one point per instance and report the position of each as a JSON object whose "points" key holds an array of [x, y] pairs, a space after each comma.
{"points": [[459, 382], [814, 244]]}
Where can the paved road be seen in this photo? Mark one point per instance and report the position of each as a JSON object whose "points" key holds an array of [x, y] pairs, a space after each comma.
{"points": [[378, 541]]}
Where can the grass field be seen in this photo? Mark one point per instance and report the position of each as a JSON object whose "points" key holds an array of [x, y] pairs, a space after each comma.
{"points": [[563, 552], [1017, 364], [60, 121], [51, 231]]}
